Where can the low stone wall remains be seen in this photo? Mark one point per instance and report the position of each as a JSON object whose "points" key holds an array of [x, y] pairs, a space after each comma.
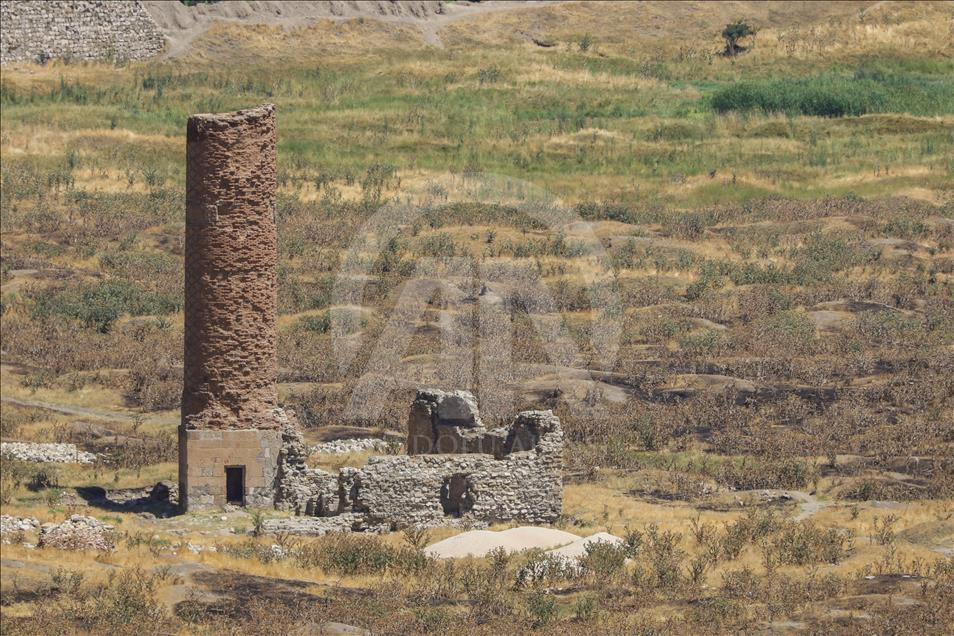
{"points": [[77, 30]]}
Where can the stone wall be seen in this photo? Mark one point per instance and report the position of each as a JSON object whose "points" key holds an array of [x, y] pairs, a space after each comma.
{"points": [[425, 490], [521, 480], [38, 31]]}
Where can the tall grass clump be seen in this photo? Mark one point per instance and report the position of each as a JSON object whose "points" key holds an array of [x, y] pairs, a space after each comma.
{"points": [[833, 95]]}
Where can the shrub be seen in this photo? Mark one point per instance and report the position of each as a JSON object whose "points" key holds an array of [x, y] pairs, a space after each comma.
{"points": [[804, 543], [732, 33], [155, 385], [665, 556], [753, 474], [603, 559], [350, 554], [439, 244], [320, 323], [100, 305], [541, 607], [740, 584], [46, 476], [541, 567], [489, 75], [788, 331]]}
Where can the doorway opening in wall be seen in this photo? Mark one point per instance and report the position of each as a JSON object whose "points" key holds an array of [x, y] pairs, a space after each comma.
{"points": [[457, 495], [235, 485]]}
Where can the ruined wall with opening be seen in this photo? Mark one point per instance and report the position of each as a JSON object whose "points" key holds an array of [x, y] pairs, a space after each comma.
{"points": [[458, 472], [229, 398], [39, 31]]}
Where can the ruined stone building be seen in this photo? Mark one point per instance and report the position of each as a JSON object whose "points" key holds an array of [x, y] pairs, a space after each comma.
{"points": [[455, 469], [235, 444]]}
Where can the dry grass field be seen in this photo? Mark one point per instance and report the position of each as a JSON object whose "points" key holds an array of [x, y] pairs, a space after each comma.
{"points": [[771, 233]]}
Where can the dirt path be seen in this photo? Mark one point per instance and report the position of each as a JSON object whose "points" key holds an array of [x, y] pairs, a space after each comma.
{"points": [[808, 505], [17, 278], [81, 411]]}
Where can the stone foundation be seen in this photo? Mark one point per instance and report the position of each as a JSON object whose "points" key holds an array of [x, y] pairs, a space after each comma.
{"points": [[202, 475]]}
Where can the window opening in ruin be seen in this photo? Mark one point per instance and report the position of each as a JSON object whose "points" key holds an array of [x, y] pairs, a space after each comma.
{"points": [[235, 485], [457, 496]]}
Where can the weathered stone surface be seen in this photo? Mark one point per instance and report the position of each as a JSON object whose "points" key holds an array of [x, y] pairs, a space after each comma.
{"points": [[230, 372], [317, 526], [164, 491], [78, 533], [420, 427], [354, 445], [46, 453], [522, 486], [458, 408], [303, 490], [209, 453], [39, 31]]}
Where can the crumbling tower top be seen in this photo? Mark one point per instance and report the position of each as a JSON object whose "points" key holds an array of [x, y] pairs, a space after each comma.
{"points": [[230, 271]]}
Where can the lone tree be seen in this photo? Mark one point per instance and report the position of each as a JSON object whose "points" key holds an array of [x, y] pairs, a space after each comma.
{"points": [[733, 32]]}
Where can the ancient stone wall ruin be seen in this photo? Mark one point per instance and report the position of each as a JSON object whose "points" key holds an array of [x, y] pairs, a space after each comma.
{"points": [[38, 31], [459, 471], [229, 398]]}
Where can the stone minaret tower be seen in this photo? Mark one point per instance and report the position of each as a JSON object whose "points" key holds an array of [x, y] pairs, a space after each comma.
{"points": [[229, 437]]}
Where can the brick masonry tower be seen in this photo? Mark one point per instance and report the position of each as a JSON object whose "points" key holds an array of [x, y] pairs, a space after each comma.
{"points": [[229, 436]]}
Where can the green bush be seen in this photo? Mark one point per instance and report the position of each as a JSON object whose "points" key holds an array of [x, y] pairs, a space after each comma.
{"points": [[603, 559], [101, 304]]}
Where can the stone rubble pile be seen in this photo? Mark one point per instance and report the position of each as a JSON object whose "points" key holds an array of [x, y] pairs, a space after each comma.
{"points": [[353, 445], [46, 453], [10, 525], [77, 533]]}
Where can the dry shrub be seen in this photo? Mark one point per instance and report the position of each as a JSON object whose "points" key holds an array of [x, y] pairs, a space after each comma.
{"points": [[804, 543], [351, 554], [753, 474], [125, 604]]}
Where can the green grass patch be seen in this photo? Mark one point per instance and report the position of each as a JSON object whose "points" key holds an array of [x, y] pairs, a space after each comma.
{"points": [[831, 95]]}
